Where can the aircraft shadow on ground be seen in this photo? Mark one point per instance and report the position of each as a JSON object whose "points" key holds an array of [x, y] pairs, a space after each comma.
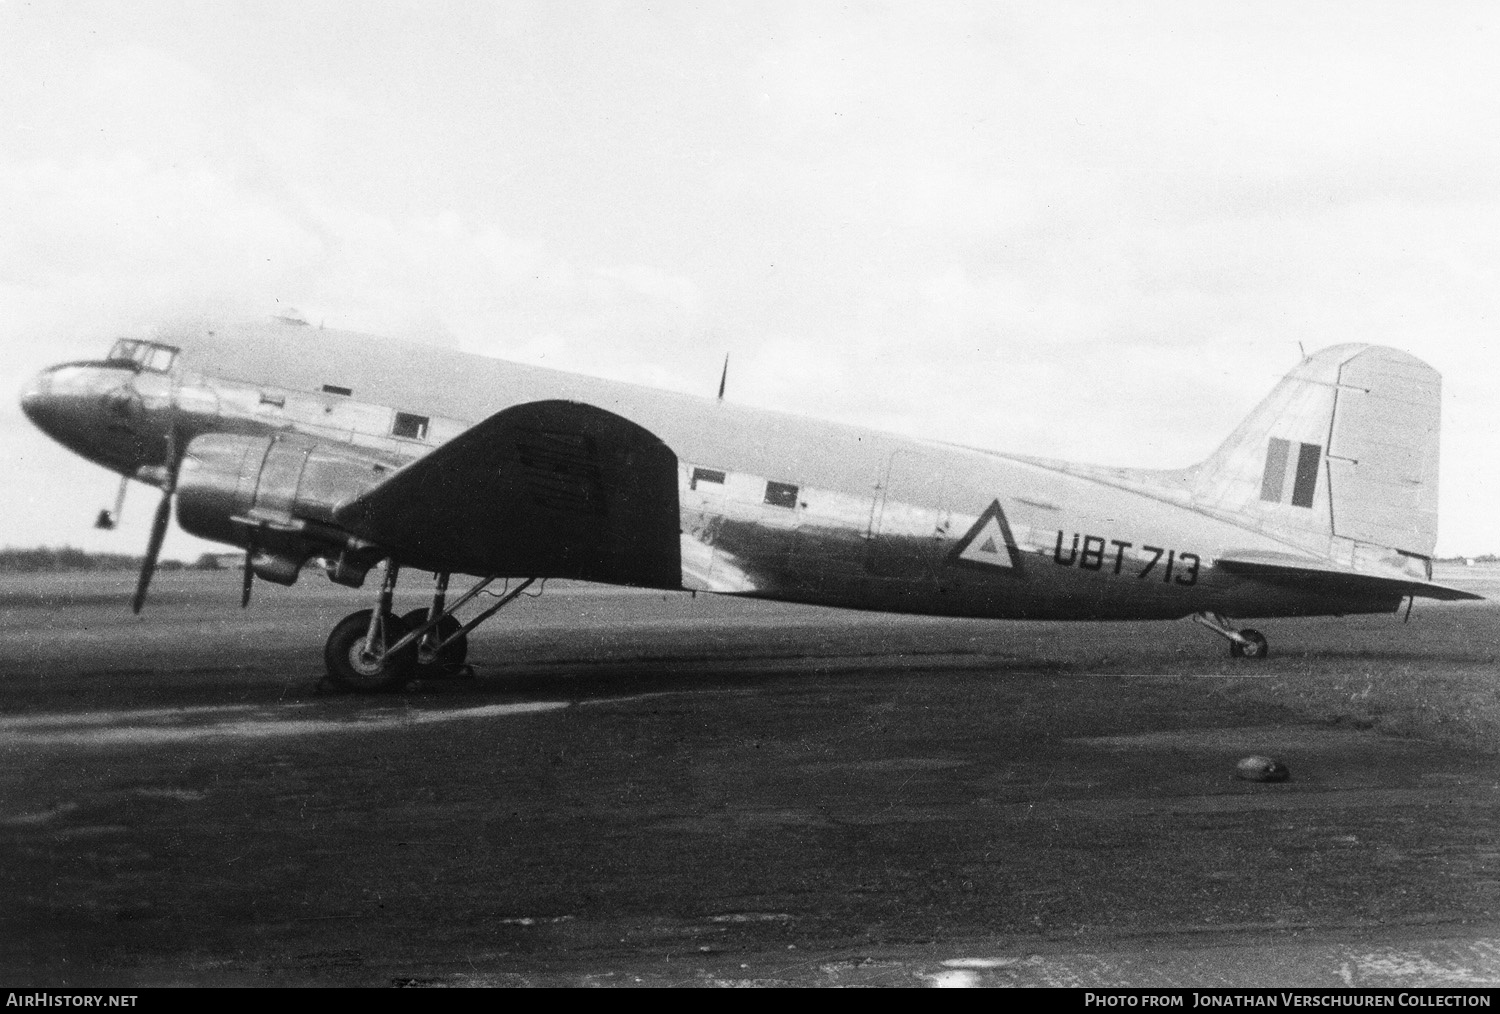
{"points": [[582, 680], [1412, 655]]}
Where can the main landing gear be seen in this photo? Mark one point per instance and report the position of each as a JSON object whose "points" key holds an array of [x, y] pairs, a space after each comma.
{"points": [[1242, 643], [374, 649]]}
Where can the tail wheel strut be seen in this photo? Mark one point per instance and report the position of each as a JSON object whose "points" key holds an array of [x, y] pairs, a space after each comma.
{"points": [[1242, 643]]}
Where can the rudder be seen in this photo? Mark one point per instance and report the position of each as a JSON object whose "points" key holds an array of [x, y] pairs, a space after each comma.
{"points": [[1383, 456]]}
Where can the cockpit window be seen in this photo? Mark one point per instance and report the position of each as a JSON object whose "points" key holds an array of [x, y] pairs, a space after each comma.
{"points": [[143, 355], [161, 358]]}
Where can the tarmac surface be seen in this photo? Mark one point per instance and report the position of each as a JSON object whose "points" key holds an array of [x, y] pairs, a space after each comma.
{"points": [[646, 789]]}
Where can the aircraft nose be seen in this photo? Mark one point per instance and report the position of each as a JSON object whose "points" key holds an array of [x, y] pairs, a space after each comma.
{"points": [[72, 403], [94, 409], [36, 396]]}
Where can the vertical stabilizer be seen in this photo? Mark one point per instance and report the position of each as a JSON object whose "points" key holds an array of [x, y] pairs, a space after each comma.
{"points": [[1341, 458]]}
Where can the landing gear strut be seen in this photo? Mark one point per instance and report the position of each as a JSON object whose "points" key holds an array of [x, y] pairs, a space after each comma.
{"points": [[368, 651], [1242, 643], [374, 649], [440, 651]]}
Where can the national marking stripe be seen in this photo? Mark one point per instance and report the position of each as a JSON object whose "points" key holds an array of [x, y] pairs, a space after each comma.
{"points": [[1304, 472]]}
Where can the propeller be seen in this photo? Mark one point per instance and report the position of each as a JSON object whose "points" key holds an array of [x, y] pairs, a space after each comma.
{"points": [[159, 523], [248, 580]]}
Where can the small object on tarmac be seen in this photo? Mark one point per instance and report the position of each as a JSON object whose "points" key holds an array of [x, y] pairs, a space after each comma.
{"points": [[1261, 769]]}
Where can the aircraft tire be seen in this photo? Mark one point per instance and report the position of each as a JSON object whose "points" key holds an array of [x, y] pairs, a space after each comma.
{"points": [[451, 657], [348, 670], [1257, 648]]}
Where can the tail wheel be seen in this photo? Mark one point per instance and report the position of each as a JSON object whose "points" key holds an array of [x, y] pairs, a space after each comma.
{"points": [[1256, 646], [352, 668], [452, 656]]}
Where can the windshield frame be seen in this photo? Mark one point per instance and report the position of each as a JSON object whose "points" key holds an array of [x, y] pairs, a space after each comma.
{"points": [[141, 354]]}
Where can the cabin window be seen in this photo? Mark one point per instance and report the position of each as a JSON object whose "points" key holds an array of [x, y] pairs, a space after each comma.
{"points": [[781, 494], [335, 389], [413, 427], [273, 398], [706, 475]]}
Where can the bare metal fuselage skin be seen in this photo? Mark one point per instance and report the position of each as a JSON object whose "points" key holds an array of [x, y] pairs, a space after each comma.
{"points": [[771, 505]]}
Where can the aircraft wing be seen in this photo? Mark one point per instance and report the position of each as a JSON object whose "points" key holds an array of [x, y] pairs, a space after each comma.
{"points": [[1304, 572], [543, 489]]}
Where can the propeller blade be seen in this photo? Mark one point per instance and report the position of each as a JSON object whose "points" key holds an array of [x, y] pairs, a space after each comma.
{"points": [[249, 577], [159, 523], [153, 549]]}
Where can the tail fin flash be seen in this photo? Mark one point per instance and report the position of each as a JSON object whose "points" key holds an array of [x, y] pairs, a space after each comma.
{"points": [[1341, 458]]}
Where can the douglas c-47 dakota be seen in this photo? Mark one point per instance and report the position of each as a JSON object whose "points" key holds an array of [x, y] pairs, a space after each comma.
{"points": [[301, 444]]}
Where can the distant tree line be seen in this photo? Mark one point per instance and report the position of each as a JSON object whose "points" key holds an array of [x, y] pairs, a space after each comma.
{"points": [[44, 559]]}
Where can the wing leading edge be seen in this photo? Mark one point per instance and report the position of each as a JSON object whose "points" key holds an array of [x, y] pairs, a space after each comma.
{"points": [[544, 489], [1300, 572]]}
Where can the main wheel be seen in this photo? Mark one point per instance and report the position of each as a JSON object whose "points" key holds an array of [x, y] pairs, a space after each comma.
{"points": [[452, 656], [351, 668], [1257, 648]]}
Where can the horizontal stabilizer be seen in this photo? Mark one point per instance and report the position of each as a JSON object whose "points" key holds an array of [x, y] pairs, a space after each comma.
{"points": [[1302, 572], [544, 489]]}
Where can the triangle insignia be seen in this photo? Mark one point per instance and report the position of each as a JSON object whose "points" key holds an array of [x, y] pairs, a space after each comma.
{"points": [[988, 544]]}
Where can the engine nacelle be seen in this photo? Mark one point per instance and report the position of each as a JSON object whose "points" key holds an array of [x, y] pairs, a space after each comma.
{"points": [[277, 493]]}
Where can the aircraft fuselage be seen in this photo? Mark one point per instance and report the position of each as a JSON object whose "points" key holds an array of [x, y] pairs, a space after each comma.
{"points": [[771, 505]]}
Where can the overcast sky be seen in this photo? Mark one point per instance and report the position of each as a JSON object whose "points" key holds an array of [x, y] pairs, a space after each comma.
{"points": [[1091, 231]]}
